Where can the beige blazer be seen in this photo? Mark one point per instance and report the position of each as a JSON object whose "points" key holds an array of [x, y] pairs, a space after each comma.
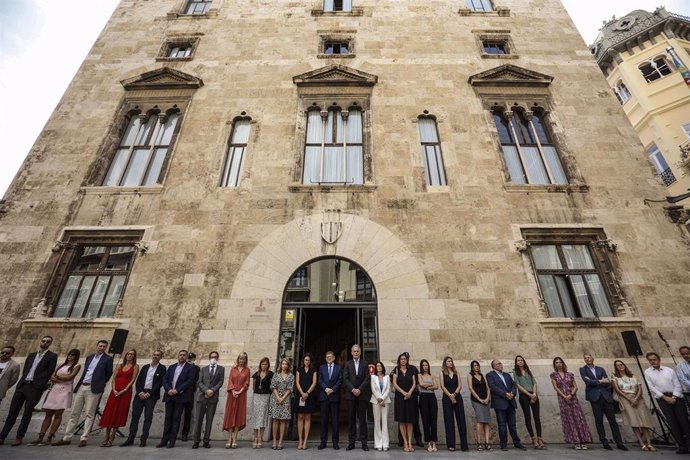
{"points": [[8, 377], [376, 392]]}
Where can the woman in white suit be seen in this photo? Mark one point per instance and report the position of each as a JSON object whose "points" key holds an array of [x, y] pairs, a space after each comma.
{"points": [[380, 398]]}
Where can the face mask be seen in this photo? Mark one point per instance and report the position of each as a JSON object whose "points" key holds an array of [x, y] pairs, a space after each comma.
{"points": [[214, 361]]}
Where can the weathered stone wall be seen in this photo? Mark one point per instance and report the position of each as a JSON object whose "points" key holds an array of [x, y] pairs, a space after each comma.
{"points": [[448, 277]]}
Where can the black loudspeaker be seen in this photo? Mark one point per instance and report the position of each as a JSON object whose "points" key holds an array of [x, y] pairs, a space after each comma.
{"points": [[632, 345], [117, 344]]}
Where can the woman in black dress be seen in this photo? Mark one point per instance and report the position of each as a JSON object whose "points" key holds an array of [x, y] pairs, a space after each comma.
{"points": [[305, 405], [405, 411]]}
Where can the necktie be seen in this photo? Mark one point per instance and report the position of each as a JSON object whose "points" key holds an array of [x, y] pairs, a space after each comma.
{"points": [[330, 371], [213, 369]]}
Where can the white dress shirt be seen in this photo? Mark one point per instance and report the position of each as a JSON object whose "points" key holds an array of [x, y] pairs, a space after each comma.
{"points": [[663, 380], [148, 385], [356, 366], [683, 374], [37, 359], [92, 367], [178, 371]]}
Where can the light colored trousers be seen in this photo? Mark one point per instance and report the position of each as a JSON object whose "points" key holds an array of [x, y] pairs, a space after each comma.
{"points": [[380, 426], [83, 399]]}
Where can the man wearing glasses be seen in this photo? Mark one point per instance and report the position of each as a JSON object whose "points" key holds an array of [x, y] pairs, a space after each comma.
{"points": [[9, 370], [38, 369]]}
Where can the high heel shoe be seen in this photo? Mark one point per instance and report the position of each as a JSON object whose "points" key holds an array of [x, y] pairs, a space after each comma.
{"points": [[39, 441]]}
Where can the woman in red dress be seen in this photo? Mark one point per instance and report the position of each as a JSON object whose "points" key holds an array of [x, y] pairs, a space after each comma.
{"points": [[116, 409], [236, 406]]}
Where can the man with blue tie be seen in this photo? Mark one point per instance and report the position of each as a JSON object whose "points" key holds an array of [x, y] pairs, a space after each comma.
{"points": [[503, 393], [599, 393], [329, 396], [178, 385], [98, 369]]}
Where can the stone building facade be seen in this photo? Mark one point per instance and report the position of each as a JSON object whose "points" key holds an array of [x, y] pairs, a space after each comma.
{"points": [[192, 186]]}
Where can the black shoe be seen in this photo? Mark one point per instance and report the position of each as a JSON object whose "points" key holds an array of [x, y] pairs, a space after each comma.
{"points": [[128, 442], [184, 438], [207, 445], [504, 448], [336, 447], [195, 445], [400, 443], [521, 447], [350, 447], [171, 445], [607, 446], [621, 446], [682, 451], [364, 447], [321, 446], [161, 444], [142, 443], [419, 443]]}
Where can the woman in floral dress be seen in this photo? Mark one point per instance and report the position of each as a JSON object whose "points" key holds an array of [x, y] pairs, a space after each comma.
{"points": [[575, 428], [281, 387]]}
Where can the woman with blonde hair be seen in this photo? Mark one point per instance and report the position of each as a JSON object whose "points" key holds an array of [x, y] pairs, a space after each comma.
{"points": [[236, 405], [281, 387], [117, 408], [451, 386], [633, 407], [262, 396]]}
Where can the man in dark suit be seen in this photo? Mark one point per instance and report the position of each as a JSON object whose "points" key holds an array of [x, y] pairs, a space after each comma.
{"points": [[98, 369], [357, 382], [38, 369], [188, 410], [503, 394], [599, 393], [329, 397], [178, 385], [147, 393], [210, 381]]}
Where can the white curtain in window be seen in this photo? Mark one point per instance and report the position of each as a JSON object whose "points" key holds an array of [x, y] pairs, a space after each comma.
{"points": [[535, 168], [131, 131], [355, 165], [550, 293], [167, 130], [577, 256], [657, 159], [137, 167], [347, 5], [354, 127], [314, 127], [333, 164], [554, 163], [546, 257], [512, 159], [67, 297], [155, 167], [312, 165], [114, 291], [328, 5], [84, 291], [117, 167], [240, 134], [578, 284], [599, 296], [427, 130], [568, 307], [97, 297], [233, 167]]}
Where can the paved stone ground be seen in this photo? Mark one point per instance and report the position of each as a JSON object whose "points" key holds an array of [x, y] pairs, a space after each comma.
{"points": [[184, 451]]}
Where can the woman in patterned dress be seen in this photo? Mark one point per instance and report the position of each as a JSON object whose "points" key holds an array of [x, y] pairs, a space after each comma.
{"points": [[59, 397], [575, 428], [262, 395], [281, 387], [633, 407], [117, 408], [236, 405]]}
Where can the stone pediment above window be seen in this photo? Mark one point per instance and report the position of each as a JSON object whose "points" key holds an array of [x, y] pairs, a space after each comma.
{"points": [[335, 75], [510, 75], [163, 78]]}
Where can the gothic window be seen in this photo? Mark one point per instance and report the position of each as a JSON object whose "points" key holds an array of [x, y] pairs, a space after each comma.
{"points": [[622, 92], [434, 171], [198, 6], [660, 164], [333, 151], [529, 154], [655, 69], [143, 149], [337, 5], [480, 5], [235, 156]]}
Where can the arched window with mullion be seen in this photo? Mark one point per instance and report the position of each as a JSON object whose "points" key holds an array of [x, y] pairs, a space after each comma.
{"points": [[333, 150], [434, 169], [234, 159]]}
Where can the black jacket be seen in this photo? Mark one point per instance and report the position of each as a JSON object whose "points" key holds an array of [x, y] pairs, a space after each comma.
{"points": [[43, 372], [157, 380]]}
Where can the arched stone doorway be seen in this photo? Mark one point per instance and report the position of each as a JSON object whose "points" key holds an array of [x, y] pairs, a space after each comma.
{"points": [[328, 303]]}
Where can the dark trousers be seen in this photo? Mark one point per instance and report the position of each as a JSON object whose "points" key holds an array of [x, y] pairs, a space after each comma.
{"points": [[599, 408], [455, 413], [676, 416], [207, 410], [26, 396], [329, 413], [428, 407], [138, 406], [187, 410], [416, 432], [173, 415], [357, 414], [506, 422], [528, 410]]}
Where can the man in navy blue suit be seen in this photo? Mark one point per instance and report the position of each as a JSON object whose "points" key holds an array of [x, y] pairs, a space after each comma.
{"points": [[329, 396], [178, 385], [599, 393], [503, 394], [98, 369]]}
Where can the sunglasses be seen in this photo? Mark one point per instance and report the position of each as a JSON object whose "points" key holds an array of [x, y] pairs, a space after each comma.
{"points": [[46, 341], [5, 352]]}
